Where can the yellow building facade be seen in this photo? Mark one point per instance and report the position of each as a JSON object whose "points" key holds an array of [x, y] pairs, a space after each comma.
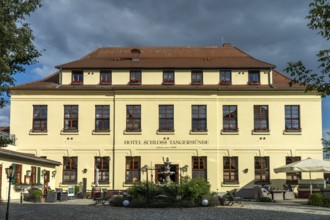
{"points": [[228, 116]]}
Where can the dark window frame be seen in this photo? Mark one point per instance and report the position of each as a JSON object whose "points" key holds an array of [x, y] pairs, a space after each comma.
{"points": [[18, 173], [230, 173], [33, 177], [290, 121], [103, 119], [195, 74], [261, 167], [227, 122], [106, 80], [168, 121], [225, 77], [38, 111], [133, 119], [292, 177], [104, 170], [71, 119], [73, 169], [254, 77], [135, 77], [260, 118], [168, 80], [132, 168], [198, 119], [77, 77], [201, 170]]}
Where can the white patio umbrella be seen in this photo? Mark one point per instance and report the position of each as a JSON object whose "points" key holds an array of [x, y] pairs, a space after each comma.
{"points": [[307, 165]]}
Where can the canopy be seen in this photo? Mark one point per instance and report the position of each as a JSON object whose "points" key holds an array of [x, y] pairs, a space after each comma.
{"points": [[307, 165]]}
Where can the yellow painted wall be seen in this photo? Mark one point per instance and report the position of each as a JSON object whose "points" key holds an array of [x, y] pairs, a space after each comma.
{"points": [[245, 145]]}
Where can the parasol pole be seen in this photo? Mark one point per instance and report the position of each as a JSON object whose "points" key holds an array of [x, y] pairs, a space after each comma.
{"points": [[310, 183]]}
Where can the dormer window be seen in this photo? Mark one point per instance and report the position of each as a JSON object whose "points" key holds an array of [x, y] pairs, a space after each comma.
{"points": [[77, 77], [225, 77], [105, 77], [135, 77], [168, 77], [197, 77], [254, 77]]}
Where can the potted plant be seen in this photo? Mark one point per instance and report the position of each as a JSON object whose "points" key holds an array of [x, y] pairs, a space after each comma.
{"points": [[36, 195], [36, 186]]}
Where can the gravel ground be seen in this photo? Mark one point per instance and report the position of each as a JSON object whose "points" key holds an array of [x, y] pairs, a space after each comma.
{"points": [[83, 209]]}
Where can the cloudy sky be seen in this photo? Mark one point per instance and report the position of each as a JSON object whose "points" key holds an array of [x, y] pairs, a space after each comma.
{"points": [[273, 31]]}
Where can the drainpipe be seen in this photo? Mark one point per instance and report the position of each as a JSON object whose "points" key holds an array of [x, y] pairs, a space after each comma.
{"points": [[113, 141]]}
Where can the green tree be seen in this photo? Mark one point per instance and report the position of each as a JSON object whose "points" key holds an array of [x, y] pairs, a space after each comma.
{"points": [[326, 145], [319, 19], [16, 41]]}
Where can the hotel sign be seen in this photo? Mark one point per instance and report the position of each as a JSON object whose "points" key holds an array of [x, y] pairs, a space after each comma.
{"points": [[166, 142]]}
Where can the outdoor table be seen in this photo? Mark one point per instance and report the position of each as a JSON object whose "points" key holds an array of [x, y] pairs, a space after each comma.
{"points": [[277, 194]]}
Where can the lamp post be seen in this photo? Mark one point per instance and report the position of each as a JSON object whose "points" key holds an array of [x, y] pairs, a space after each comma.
{"points": [[145, 169], [10, 173], [182, 170]]}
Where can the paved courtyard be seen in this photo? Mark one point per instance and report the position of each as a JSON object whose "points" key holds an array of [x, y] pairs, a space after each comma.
{"points": [[83, 209]]}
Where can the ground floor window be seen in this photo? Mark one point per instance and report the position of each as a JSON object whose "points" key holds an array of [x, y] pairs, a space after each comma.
{"points": [[70, 165], [18, 174], [230, 169], [292, 177], [199, 167], [133, 165], [33, 177], [261, 170], [102, 170]]}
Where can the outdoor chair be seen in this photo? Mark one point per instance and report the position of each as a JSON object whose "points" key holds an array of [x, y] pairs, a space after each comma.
{"points": [[230, 198]]}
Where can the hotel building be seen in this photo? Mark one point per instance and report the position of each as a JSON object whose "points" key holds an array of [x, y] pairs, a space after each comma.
{"points": [[228, 116]]}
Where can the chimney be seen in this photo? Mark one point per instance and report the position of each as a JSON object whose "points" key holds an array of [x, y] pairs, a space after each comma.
{"points": [[135, 54]]}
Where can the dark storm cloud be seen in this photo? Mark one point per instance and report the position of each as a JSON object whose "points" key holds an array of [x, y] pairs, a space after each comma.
{"points": [[274, 31]]}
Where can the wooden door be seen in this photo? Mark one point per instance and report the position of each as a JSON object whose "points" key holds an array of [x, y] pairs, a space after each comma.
{"points": [[46, 181]]}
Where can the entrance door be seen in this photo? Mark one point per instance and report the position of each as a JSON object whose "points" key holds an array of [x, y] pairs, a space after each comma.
{"points": [[46, 181], [159, 177], [0, 181]]}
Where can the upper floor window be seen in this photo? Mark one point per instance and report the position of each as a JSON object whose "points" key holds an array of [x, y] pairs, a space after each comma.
{"points": [[39, 118], [292, 177], [225, 77], [261, 169], [292, 118], [254, 77], [199, 167], [135, 77], [102, 121], [199, 118], [71, 118], [168, 77], [133, 165], [101, 174], [197, 77], [166, 118], [105, 77], [70, 167], [229, 118], [133, 118], [261, 118], [77, 77], [230, 169]]}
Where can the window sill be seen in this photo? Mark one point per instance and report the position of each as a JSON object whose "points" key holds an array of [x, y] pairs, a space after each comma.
{"points": [[105, 83], [261, 132], [68, 132], [38, 132], [198, 132], [67, 184], [100, 132], [230, 184], [292, 132], [227, 132], [133, 132], [166, 132]]}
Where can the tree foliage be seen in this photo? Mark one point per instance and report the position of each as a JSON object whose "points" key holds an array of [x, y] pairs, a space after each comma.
{"points": [[16, 41], [319, 19], [326, 144]]}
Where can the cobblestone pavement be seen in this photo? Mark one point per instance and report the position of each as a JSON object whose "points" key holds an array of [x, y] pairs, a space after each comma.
{"points": [[83, 209]]}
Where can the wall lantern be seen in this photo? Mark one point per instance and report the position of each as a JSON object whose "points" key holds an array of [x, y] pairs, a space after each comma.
{"points": [[84, 170], [28, 172], [43, 172], [184, 168], [245, 170], [54, 173]]}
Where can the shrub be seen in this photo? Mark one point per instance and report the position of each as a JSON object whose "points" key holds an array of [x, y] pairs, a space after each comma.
{"points": [[76, 189], [265, 199], [138, 202], [315, 199], [326, 201], [36, 194], [212, 199], [117, 201], [195, 189]]}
